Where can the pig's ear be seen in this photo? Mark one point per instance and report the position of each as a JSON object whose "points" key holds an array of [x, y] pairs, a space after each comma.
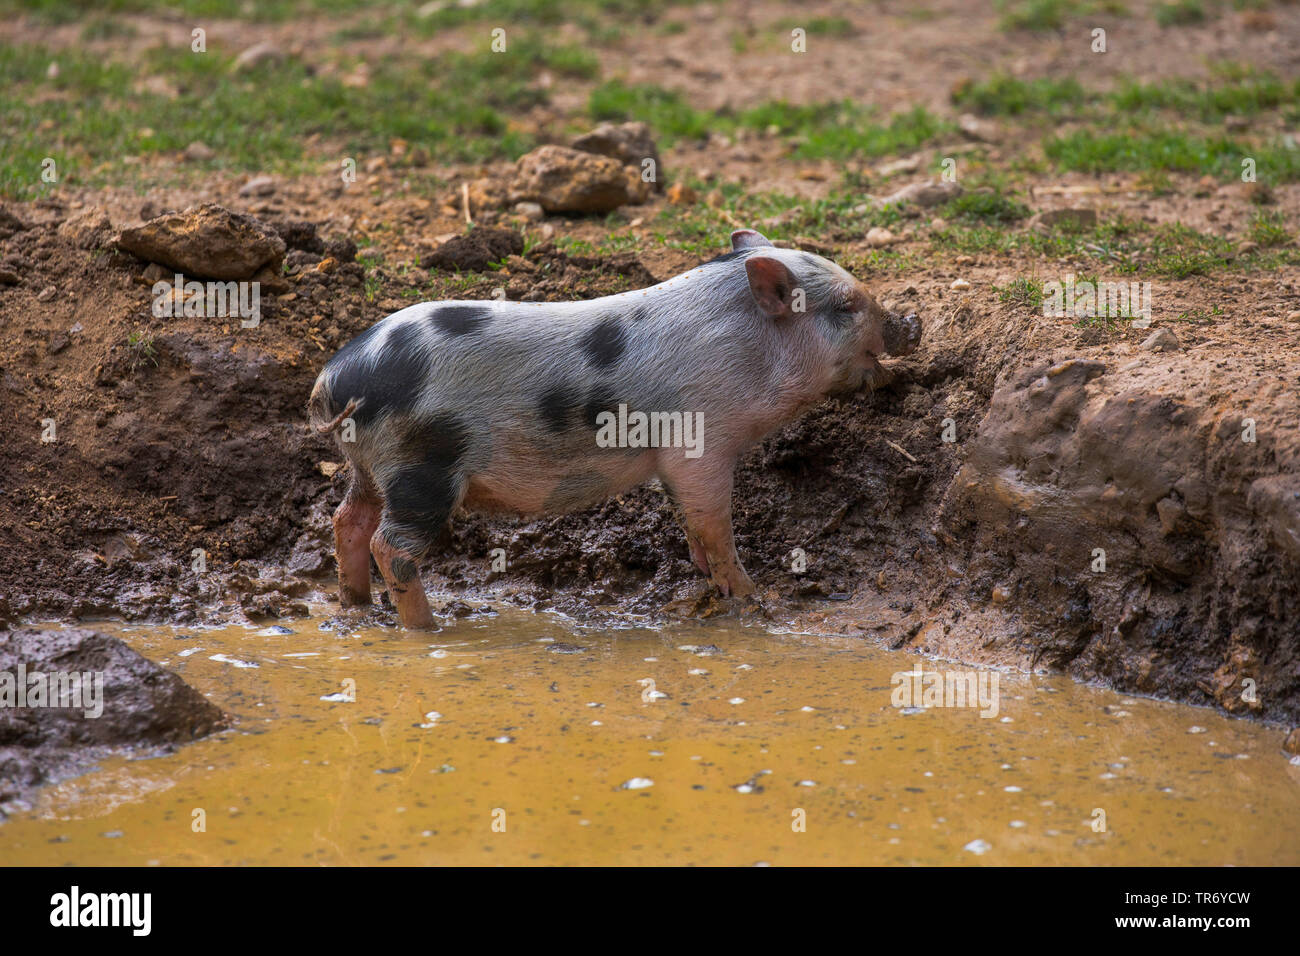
{"points": [[772, 286], [748, 239]]}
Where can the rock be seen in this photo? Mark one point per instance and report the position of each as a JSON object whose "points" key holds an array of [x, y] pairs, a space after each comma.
{"points": [[878, 237], [1292, 742], [198, 152], [959, 285], [531, 211], [47, 294], [1246, 248], [638, 189], [680, 194], [207, 242], [629, 143], [475, 250], [907, 165], [1161, 340], [934, 193], [258, 186], [1001, 594], [265, 52], [1293, 316], [568, 180], [140, 705], [1050, 219], [88, 229], [977, 129]]}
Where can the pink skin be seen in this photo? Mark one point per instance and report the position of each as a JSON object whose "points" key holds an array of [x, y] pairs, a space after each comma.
{"points": [[702, 487], [354, 525], [405, 589]]}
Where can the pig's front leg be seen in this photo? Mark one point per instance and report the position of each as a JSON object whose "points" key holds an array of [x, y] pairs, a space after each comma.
{"points": [[702, 490]]}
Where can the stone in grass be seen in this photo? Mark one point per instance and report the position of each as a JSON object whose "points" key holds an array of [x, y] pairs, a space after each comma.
{"points": [[568, 180], [1053, 219], [1161, 340]]}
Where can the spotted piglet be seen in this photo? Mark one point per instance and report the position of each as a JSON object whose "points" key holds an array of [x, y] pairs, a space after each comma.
{"points": [[542, 408]]}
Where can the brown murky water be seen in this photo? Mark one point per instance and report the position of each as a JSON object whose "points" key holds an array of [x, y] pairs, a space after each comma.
{"points": [[517, 739]]}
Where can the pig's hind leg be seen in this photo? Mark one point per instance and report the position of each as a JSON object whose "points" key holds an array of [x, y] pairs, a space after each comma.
{"points": [[418, 500], [355, 522]]}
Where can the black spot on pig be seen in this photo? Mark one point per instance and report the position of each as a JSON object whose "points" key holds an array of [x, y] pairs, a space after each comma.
{"points": [[403, 570], [457, 320], [555, 407], [600, 399], [419, 497], [388, 384], [638, 313], [604, 343]]}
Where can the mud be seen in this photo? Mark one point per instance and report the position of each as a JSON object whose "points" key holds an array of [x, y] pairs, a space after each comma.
{"points": [[518, 739], [183, 485]]}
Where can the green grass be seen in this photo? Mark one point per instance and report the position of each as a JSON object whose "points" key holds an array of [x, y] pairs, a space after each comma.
{"points": [[818, 26], [1038, 16], [1241, 95], [453, 105], [1005, 95], [984, 207], [835, 130], [1236, 90], [1180, 13], [1119, 245], [1269, 229], [1023, 292], [1141, 148]]}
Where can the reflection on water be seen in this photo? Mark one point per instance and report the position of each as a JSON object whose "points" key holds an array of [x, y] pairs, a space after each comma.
{"points": [[516, 739]]}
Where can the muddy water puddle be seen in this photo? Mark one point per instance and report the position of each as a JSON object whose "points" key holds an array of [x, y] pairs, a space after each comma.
{"points": [[516, 738]]}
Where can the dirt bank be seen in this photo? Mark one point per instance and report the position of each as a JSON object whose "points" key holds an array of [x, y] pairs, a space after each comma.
{"points": [[180, 439]]}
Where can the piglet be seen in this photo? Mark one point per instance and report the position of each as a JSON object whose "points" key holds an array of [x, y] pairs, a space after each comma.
{"points": [[543, 408]]}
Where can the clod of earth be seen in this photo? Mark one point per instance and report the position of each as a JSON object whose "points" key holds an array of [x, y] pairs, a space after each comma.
{"points": [[207, 242], [561, 179], [630, 143]]}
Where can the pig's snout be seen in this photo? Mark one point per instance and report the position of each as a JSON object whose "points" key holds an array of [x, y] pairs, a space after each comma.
{"points": [[902, 333]]}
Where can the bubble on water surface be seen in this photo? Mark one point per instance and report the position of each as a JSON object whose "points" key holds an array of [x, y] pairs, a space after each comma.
{"points": [[233, 661]]}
